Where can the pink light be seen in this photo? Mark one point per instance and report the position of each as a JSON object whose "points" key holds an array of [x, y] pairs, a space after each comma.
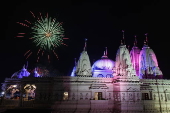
{"points": [[23, 24], [38, 59], [60, 23], [38, 51], [26, 52], [134, 55], [42, 53], [47, 15], [21, 33], [55, 54], [65, 38], [29, 55], [40, 15], [48, 58], [28, 21], [64, 44], [104, 64], [32, 14], [20, 36]]}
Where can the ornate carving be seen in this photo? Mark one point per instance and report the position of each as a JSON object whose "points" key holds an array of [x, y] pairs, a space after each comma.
{"points": [[86, 96], [81, 96]]}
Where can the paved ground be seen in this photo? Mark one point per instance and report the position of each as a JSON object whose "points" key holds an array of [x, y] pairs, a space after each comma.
{"points": [[25, 111]]}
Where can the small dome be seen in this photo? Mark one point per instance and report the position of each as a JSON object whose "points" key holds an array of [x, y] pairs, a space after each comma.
{"points": [[21, 73], [34, 74], [103, 64]]}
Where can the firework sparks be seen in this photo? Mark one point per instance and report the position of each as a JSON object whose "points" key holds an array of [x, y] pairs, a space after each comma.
{"points": [[47, 34]]}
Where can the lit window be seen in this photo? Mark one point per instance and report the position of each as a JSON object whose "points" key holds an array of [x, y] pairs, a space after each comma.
{"points": [[29, 92], [14, 86], [65, 96], [2, 92], [98, 96]]}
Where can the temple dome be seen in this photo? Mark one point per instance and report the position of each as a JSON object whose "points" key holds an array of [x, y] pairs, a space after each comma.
{"points": [[103, 64], [21, 73], [148, 55], [35, 73]]}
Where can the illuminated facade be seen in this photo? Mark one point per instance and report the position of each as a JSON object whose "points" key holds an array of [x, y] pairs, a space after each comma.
{"points": [[132, 83]]}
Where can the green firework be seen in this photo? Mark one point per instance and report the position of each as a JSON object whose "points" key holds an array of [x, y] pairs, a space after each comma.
{"points": [[47, 33]]}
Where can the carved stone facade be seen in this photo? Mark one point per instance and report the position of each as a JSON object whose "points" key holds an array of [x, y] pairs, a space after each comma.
{"points": [[86, 92]]}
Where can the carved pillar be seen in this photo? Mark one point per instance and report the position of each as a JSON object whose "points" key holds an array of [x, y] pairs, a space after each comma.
{"points": [[21, 94], [150, 95]]}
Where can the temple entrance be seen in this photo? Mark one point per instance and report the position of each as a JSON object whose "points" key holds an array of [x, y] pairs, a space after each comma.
{"points": [[98, 96]]}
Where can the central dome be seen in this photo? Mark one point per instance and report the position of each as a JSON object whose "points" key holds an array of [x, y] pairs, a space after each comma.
{"points": [[103, 64], [21, 73]]}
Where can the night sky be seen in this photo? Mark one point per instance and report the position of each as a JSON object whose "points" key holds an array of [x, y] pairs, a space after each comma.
{"points": [[100, 22]]}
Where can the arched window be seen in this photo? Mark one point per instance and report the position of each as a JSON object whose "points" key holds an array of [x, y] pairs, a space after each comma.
{"points": [[100, 75], [29, 92], [65, 96], [109, 76], [12, 92]]}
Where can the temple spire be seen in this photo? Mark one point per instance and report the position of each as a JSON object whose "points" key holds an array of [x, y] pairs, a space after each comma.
{"points": [[105, 54], [85, 44], [146, 34], [106, 51], [123, 37], [83, 65], [121, 42], [129, 47], [35, 70], [135, 42], [145, 42], [75, 61], [26, 65]]}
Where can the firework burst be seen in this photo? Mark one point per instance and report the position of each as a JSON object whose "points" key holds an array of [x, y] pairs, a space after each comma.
{"points": [[47, 34]]}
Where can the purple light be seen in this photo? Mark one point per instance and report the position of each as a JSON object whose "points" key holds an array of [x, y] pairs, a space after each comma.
{"points": [[104, 64]]}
